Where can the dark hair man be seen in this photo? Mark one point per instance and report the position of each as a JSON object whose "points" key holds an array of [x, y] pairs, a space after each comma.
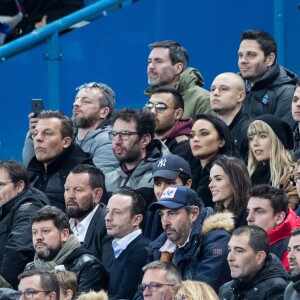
{"points": [[296, 117], [196, 246], [55, 155], [292, 291], [84, 190], [256, 273], [38, 285], [135, 148], [269, 87], [167, 106], [227, 93], [17, 203], [55, 245], [92, 110], [126, 210], [168, 67], [268, 208], [158, 281]]}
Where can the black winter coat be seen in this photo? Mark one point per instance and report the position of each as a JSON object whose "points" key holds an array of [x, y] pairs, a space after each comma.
{"points": [[268, 284], [16, 248], [52, 181]]}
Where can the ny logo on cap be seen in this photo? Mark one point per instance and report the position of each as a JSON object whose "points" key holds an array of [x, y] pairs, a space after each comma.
{"points": [[162, 163]]}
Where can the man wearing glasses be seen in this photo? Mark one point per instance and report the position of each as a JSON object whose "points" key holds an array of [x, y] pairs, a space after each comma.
{"points": [[158, 282], [167, 106], [135, 148], [168, 67], [92, 110], [38, 285]]}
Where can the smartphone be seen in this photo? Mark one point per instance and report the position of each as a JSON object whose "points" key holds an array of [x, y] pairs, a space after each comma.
{"points": [[37, 106]]}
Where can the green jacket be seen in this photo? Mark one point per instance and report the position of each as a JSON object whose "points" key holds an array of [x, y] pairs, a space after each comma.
{"points": [[196, 98]]}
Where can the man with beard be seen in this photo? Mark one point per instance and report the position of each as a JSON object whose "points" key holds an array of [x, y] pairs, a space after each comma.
{"points": [[269, 87], [135, 148], [92, 111], [168, 67], [195, 244], [84, 191], [57, 248], [167, 106], [292, 291]]}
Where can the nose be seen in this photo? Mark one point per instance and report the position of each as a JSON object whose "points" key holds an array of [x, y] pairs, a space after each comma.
{"points": [[108, 216], [211, 184], [250, 218], [291, 255], [76, 103], [147, 291], [255, 140], [230, 256], [165, 220], [161, 189], [242, 59]]}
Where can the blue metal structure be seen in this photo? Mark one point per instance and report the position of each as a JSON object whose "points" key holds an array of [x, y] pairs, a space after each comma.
{"points": [[113, 49]]}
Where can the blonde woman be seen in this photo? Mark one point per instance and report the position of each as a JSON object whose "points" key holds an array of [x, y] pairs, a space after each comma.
{"points": [[93, 296], [194, 290], [270, 159]]}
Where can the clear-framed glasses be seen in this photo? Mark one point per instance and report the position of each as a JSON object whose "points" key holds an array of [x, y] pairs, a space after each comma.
{"points": [[4, 183], [124, 135], [159, 106], [28, 294], [153, 286], [296, 178]]}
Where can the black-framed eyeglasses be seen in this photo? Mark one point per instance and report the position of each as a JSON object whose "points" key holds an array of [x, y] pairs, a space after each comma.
{"points": [[153, 286], [96, 85], [28, 294], [159, 106], [295, 179], [124, 135]]}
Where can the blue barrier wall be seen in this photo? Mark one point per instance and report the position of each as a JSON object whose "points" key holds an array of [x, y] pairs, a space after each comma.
{"points": [[113, 49]]}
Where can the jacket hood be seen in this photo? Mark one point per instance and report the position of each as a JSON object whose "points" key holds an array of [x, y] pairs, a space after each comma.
{"points": [[275, 76], [189, 77], [218, 221], [183, 127]]}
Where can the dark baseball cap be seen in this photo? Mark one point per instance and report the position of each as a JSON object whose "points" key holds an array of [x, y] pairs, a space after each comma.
{"points": [[176, 196], [170, 167]]}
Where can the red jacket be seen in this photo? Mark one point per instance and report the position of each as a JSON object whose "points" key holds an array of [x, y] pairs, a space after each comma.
{"points": [[279, 235]]}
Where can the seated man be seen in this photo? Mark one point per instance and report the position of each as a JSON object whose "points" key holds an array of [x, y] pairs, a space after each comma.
{"points": [[196, 246], [256, 273], [268, 209], [170, 169], [56, 246], [55, 155], [292, 291], [84, 189], [36, 284], [167, 106], [17, 203], [158, 281], [126, 210]]}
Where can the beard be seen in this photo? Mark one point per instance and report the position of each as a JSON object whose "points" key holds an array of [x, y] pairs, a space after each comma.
{"points": [[49, 254], [79, 212], [84, 123]]}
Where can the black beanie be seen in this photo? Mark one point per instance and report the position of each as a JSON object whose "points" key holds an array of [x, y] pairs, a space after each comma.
{"points": [[282, 129]]}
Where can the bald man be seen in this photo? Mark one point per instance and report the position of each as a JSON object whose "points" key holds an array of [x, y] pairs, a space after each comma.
{"points": [[227, 94]]}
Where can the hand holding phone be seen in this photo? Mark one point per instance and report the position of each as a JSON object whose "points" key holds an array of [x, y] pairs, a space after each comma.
{"points": [[37, 106]]}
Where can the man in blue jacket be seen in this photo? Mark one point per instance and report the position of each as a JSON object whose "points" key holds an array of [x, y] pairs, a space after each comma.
{"points": [[198, 248]]}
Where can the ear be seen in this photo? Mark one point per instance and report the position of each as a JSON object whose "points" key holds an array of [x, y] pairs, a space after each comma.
{"points": [[270, 59], [67, 141], [65, 234], [104, 112], [178, 113], [178, 68], [53, 296], [260, 257], [20, 186], [97, 193], [241, 97], [189, 183], [145, 140], [69, 294], [280, 217], [137, 220], [222, 143], [194, 213]]}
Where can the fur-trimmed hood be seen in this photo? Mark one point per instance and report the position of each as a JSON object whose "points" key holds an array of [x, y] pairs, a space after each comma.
{"points": [[218, 221]]}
